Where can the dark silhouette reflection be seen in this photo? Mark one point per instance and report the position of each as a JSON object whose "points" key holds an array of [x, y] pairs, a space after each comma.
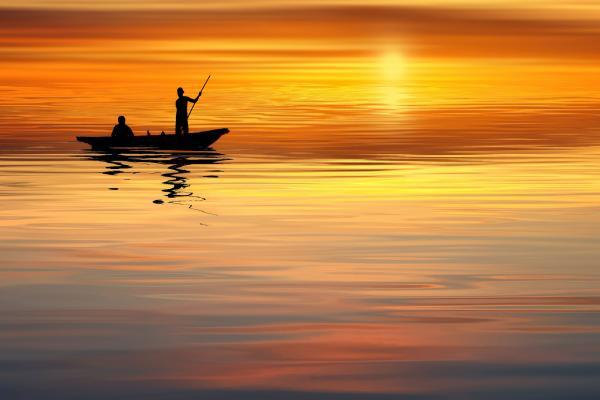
{"points": [[177, 190], [116, 162], [177, 179]]}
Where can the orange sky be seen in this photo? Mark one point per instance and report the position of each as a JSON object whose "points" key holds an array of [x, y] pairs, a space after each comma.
{"points": [[308, 30], [87, 61], [246, 41]]}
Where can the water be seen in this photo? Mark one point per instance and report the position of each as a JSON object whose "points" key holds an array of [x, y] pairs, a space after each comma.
{"points": [[448, 253]]}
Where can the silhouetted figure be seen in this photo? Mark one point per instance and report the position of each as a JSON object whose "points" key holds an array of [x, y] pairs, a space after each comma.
{"points": [[121, 130], [181, 119]]}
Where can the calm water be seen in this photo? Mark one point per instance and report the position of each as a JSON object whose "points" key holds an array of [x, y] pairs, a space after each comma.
{"points": [[451, 253]]}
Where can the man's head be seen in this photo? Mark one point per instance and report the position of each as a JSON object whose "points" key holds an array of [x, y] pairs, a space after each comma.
{"points": [[121, 120], [180, 91]]}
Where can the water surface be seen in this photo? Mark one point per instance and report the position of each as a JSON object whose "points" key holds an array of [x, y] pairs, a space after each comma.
{"points": [[451, 253]]}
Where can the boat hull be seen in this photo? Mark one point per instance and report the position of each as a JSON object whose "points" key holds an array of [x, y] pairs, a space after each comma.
{"points": [[196, 140]]}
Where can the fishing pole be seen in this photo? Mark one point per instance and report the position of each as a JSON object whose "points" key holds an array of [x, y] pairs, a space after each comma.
{"points": [[201, 90]]}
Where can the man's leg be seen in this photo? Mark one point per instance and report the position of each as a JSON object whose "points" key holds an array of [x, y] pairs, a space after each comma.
{"points": [[185, 127]]}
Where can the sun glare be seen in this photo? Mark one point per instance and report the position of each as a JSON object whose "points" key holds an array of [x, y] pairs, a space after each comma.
{"points": [[392, 66]]}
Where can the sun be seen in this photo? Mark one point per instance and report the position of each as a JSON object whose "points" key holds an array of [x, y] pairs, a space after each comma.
{"points": [[392, 65], [392, 68]]}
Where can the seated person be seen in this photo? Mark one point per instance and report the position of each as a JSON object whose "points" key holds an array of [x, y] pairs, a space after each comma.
{"points": [[121, 130]]}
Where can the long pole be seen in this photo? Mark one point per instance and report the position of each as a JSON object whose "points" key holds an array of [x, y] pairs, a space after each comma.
{"points": [[201, 90]]}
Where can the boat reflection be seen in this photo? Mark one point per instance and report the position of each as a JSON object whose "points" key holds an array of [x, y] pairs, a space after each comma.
{"points": [[176, 174]]}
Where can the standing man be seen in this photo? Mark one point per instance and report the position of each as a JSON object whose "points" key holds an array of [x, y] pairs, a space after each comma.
{"points": [[181, 120]]}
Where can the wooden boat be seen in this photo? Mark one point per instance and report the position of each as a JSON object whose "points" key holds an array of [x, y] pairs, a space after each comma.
{"points": [[196, 140]]}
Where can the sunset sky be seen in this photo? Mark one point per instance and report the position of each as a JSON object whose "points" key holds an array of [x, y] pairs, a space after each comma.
{"points": [[86, 61]]}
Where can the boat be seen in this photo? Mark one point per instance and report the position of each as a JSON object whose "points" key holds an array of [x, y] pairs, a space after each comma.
{"points": [[195, 140]]}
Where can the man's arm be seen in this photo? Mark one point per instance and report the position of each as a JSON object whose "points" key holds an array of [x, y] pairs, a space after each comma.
{"points": [[193, 100], [114, 132]]}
